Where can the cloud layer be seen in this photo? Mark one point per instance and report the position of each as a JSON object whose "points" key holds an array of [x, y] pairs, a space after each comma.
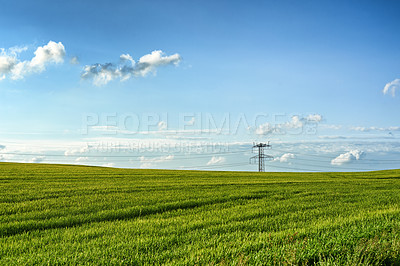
{"points": [[127, 68], [353, 155], [296, 122], [391, 87], [367, 129], [12, 67]]}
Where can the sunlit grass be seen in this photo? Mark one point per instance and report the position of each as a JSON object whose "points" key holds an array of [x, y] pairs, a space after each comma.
{"points": [[89, 215]]}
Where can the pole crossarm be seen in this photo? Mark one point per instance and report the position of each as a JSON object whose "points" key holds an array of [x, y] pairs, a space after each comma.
{"points": [[260, 158]]}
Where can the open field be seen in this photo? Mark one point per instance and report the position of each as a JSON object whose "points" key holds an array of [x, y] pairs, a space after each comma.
{"points": [[90, 215]]}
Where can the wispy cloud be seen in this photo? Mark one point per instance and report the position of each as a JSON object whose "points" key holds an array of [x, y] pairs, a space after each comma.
{"points": [[150, 162], [391, 87], [37, 159], [333, 137], [127, 68], [353, 155], [296, 122], [74, 60], [314, 118], [81, 159], [331, 127], [74, 151], [265, 129], [285, 158], [108, 165], [367, 129], [216, 160], [105, 128], [11, 66]]}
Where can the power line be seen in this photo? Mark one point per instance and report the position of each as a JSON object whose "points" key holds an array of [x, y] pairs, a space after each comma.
{"points": [[337, 167], [261, 157], [194, 154], [294, 168], [329, 157], [324, 161], [215, 166]]}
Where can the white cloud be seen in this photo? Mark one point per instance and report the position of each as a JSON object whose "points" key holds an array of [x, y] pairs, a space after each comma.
{"points": [[334, 127], [17, 50], [101, 74], [367, 129], [52, 52], [285, 158], [353, 155], [148, 63], [37, 159], [105, 128], [149, 162], [108, 165], [264, 129], [5, 155], [216, 160], [74, 60], [314, 118], [74, 151], [7, 63], [362, 129], [391, 87], [127, 57], [81, 159], [333, 137], [10, 64], [296, 122], [378, 149]]}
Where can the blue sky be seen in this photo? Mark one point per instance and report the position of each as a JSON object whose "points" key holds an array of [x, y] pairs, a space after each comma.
{"points": [[291, 64]]}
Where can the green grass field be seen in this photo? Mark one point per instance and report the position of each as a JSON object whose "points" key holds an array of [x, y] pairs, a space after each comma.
{"points": [[55, 214]]}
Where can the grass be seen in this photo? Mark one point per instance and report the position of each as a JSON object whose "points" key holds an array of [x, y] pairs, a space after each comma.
{"points": [[58, 214]]}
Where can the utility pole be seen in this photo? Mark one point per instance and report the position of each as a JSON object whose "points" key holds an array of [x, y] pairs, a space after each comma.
{"points": [[261, 157]]}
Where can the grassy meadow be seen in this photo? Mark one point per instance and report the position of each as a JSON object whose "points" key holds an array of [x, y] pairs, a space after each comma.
{"points": [[59, 214]]}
